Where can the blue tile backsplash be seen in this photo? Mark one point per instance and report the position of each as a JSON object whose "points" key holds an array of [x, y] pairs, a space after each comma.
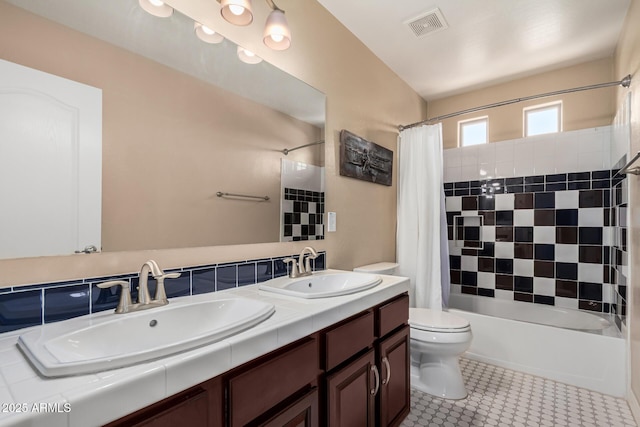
{"points": [[30, 305]]}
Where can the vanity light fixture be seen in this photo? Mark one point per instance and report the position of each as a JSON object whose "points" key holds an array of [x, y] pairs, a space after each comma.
{"points": [[277, 34], [206, 34], [247, 56], [237, 12], [156, 8]]}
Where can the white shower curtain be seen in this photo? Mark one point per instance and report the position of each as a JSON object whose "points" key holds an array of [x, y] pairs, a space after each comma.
{"points": [[421, 247]]}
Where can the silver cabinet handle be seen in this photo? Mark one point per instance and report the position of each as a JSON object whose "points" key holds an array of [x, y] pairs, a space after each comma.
{"points": [[385, 360], [374, 368]]}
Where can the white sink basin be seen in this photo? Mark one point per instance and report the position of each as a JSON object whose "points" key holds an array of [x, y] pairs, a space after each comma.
{"points": [[322, 284], [86, 345]]}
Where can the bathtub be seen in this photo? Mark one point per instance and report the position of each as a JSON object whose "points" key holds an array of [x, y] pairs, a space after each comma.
{"points": [[564, 345]]}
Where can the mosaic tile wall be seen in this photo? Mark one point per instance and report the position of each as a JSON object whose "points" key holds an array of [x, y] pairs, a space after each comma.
{"points": [[545, 238], [29, 305], [303, 213], [618, 272]]}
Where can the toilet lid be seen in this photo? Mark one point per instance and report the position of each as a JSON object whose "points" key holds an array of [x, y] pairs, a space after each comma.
{"points": [[437, 321]]}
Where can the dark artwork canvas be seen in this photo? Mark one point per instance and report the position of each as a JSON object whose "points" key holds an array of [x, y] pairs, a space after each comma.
{"points": [[364, 160]]}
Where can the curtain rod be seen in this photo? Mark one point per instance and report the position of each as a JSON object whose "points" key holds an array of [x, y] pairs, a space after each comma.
{"points": [[625, 82], [286, 151]]}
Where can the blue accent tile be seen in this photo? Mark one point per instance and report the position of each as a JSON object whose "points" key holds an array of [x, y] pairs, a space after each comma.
{"points": [[567, 217], [523, 284], [538, 179], [203, 280], [20, 310], [514, 181], [504, 266], [590, 235], [515, 189], [448, 185], [320, 263], [461, 184], [534, 188], [47, 285], [461, 192], [469, 278], [544, 299], [448, 193], [523, 234], [476, 191], [264, 270], [247, 274], [486, 292], [590, 291], [544, 200], [579, 185], [178, 287], [556, 186], [559, 177], [504, 217], [279, 267], [104, 299], [603, 174], [475, 184], [603, 183], [565, 270], [579, 176], [226, 276], [544, 252], [66, 302]]}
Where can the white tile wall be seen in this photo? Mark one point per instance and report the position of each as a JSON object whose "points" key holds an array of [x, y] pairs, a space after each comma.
{"points": [[574, 151]]}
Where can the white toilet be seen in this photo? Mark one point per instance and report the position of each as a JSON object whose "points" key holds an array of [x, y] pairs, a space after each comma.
{"points": [[437, 340]]}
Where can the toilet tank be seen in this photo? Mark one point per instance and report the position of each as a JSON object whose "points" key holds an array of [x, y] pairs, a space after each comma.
{"points": [[378, 268]]}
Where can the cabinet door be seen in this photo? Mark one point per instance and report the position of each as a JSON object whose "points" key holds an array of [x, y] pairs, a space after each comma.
{"points": [[351, 393], [301, 413], [394, 403]]}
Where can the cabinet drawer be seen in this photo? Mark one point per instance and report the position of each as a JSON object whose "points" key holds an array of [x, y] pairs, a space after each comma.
{"points": [[392, 315], [257, 390], [345, 340]]}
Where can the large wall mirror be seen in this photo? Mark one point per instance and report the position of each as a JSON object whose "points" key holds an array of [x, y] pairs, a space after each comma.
{"points": [[182, 120]]}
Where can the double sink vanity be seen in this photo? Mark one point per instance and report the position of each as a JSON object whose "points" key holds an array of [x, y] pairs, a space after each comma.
{"points": [[323, 348]]}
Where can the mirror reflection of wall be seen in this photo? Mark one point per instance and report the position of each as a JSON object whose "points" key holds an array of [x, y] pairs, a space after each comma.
{"points": [[302, 201], [170, 139]]}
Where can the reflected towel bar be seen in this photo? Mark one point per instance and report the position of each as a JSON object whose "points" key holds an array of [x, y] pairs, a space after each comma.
{"points": [[627, 168], [221, 194]]}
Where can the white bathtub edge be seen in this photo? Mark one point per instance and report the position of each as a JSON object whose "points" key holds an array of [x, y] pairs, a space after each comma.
{"points": [[581, 359]]}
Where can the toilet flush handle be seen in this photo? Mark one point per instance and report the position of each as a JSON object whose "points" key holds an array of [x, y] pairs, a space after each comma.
{"points": [[385, 360]]}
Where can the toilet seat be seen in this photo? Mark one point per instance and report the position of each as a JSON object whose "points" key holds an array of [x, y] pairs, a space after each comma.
{"points": [[437, 321]]}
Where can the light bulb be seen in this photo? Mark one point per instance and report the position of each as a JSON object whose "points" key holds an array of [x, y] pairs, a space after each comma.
{"points": [[277, 37], [249, 53], [208, 30], [156, 3], [236, 10]]}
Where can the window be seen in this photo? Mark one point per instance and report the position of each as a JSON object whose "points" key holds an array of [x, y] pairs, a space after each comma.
{"points": [[473, 131], [541, 119]]}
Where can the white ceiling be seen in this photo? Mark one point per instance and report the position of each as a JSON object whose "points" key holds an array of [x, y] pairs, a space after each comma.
{"points": [[487, 41]]}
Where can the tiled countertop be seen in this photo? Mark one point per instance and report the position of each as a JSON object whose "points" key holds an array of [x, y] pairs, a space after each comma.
{"points": [[95, 399]]}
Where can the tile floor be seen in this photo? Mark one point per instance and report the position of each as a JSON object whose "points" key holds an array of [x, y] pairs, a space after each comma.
{"points": [[501, 397]]}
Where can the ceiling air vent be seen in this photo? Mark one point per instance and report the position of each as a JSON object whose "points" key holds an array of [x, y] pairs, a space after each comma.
{"points": [[427, 23]]}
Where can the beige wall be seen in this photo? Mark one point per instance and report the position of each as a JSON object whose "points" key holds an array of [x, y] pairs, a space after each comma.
{"points": [[580, 110], [628, 62], [363, 96]]}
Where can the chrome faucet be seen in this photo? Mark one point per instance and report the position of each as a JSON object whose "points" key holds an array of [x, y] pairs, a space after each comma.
{"points": [[144, 299], [303, 266]]}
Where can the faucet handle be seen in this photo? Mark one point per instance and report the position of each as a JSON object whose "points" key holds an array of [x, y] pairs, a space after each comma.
{"points": [[294, 267], [161, 295], [125, 295]]}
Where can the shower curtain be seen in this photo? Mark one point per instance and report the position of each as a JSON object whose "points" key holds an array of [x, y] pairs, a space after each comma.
{"points": [[421, 243]]}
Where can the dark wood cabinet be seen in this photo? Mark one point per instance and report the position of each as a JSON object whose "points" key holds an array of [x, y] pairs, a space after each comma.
{"points": [[351, 393], [354, 373], [395, 392], [197, 406], [301, 413], [372, 387]]}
